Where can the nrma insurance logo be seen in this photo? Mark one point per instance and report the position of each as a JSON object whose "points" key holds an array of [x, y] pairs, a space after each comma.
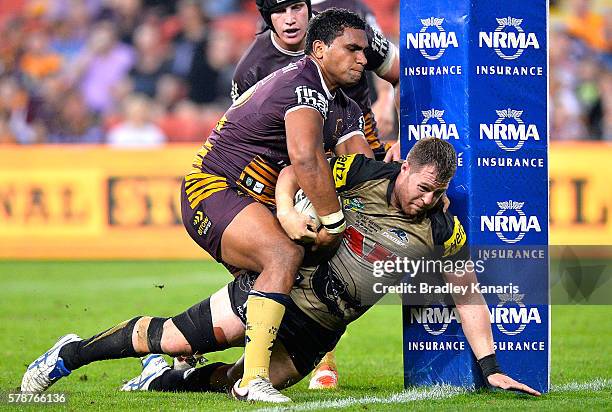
{"points": [[510, 316], [432, 40], [510, 223], [509, 131], [508, 40], [433, 125]]}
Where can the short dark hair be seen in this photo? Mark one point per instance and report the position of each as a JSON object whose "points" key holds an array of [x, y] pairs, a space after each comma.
{"points": [[329, 25], [436, 152]]}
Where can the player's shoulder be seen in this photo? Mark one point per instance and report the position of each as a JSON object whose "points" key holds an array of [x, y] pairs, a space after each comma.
{"points": [[255, 54], [351, 170], [301, 84], [447, 231]]}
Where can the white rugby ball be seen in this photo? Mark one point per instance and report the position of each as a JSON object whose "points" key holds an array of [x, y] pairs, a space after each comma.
{"points": [[303, 206]]}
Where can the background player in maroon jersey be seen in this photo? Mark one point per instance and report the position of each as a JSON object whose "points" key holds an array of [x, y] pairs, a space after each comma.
{"points": [[284, 43]]}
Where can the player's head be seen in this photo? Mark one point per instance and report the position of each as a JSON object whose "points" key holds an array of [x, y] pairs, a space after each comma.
{"points": [[425, 175], [268, 8], [336, 38]]}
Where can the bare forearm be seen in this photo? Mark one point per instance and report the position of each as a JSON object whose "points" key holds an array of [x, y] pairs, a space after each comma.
{"points": [[476, 324], [356, 144], [475, 317], [314, 177], [286, 187]]}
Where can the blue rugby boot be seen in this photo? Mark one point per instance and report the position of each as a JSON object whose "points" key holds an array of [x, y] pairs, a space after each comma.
{"points": [[48, 368]]}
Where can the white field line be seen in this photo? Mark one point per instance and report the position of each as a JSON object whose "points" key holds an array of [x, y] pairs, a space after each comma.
{"points": [[598, 384], [418, 394], [415, 394]]}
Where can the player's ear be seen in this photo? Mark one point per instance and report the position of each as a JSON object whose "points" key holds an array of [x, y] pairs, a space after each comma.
{"points": [[318, 48], [405, 166]]}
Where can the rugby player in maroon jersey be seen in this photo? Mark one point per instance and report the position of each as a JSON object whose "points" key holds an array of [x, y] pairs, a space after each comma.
{"points": [[284, 43]]}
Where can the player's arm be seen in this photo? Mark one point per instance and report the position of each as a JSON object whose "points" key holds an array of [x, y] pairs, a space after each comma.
{"points": [[354, 144], [304, 128], [245, 76], [297, 226], [476, 325], [384, 107], [448, 233], [383, 59]]}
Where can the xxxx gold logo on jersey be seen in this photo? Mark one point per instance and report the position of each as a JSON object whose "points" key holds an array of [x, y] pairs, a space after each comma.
{"points": [[457, 239], [341, 169]]}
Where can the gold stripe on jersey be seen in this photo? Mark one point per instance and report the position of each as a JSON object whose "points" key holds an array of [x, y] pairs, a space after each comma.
{"points": [[269, 174], [192, 185], [371, 131], [258, 179], [197, 160], [457, 239], [199, 186], [341, 169]]}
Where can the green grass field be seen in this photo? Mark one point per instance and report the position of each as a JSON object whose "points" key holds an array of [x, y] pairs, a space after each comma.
{"points": [[44, 300]]}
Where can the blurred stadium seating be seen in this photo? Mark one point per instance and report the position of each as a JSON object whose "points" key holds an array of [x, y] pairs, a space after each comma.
{"points": [[67, 66]]}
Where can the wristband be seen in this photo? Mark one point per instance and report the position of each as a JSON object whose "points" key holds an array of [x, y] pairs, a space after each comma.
{"points": [[488, 365], [334, 222]]}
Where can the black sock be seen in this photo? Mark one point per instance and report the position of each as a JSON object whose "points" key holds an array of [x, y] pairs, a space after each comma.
{"points": [[114, 343], [197, 380]]}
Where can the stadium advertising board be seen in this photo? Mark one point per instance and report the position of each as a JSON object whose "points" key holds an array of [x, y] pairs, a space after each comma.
{"points": [[475, 73], [93, 202]]}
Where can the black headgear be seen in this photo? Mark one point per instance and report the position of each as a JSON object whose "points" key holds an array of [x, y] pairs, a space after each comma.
{"points": [[266, 7]]}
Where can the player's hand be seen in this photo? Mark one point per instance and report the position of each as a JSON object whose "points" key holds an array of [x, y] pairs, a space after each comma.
{"points": [[326, 240], [393, 154], [297, 226], [499, 380]]}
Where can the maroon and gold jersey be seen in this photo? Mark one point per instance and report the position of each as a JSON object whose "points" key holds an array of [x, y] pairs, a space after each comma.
{"points": [[265, 56], [248, 147]]}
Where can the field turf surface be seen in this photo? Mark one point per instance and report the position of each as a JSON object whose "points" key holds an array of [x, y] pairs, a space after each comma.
{"points": [[42, 301]]}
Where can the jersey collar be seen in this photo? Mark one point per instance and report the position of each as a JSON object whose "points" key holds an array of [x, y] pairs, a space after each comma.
{"points": [[284, 51], [329, 95], [391, 186]]}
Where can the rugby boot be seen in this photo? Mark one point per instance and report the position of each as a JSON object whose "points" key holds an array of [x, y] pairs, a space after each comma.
{"points": [[258, 389], [48, 368], [325, 376], [152, 367]]}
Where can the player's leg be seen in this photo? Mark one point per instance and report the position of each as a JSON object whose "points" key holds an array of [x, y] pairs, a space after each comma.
{"points": [[220, 377], [223, 317], [208, 326], [243, 233], [255, 240], [132, 338]]}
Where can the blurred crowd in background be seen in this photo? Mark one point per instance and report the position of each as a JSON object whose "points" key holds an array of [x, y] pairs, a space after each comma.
{"points": [[150, 72]]}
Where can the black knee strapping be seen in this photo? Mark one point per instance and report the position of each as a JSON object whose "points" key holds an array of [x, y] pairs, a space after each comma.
{"points": [[154, 334], [197, 327]]}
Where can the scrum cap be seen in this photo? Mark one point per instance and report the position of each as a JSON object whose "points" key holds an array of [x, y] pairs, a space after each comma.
{"points": [[267, 7]]}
